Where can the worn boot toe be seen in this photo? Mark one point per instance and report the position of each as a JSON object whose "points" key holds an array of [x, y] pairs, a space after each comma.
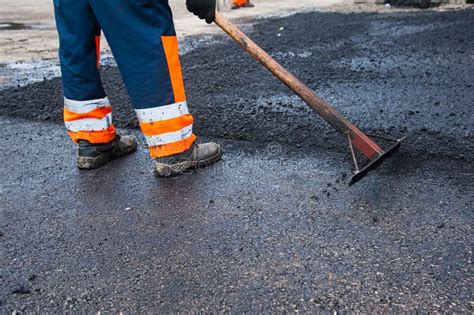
{"points": [[197, 156]]}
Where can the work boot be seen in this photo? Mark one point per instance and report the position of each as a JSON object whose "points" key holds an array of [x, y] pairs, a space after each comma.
{"points": [[197, 156], [92, 156]]}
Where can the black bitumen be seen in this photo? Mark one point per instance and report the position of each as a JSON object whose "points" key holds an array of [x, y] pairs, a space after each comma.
{"points": [[273, 226]]}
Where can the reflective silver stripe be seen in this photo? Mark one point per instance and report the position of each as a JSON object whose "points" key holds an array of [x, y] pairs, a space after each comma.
{"points": [[89, 124], [82, 107], [162, 112], [170, 137]]}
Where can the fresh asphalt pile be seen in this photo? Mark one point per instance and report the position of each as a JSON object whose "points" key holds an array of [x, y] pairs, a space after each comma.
{"points": [[272, 227]]}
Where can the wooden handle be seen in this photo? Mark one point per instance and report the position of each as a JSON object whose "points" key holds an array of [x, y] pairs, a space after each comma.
{"points": [[369, 148]]}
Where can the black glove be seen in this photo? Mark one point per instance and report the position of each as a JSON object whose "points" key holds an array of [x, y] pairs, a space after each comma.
{"points": [[204, 9]]}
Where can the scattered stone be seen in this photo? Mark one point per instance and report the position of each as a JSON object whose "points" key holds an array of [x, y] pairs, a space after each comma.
{"points": [[21, 290]]}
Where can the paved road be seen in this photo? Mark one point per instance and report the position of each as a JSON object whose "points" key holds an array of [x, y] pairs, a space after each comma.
{"points": [[273, 226]]}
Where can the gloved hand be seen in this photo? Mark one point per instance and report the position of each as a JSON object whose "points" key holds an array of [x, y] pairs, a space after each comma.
{"points": [[204, 9]]}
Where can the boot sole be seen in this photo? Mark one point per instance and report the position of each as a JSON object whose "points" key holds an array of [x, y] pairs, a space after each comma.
{"points": [[89, 163], [165, 170]]}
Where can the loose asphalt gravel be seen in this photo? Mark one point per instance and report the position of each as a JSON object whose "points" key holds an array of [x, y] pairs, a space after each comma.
{"points": [[273, 226]]}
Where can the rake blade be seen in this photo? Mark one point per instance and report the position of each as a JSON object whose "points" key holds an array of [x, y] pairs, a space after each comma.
{"points": [[375, 162]]}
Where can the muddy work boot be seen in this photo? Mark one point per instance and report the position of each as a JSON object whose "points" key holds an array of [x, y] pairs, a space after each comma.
{"points": [[197, 156], [93, 156]]}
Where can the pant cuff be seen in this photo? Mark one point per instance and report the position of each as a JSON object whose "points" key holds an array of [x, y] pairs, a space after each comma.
{"points": [[94, 137], [172, 148]]}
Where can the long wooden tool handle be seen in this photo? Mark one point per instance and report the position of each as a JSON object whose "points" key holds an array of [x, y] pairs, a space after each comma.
{"points": [[369, 148]]}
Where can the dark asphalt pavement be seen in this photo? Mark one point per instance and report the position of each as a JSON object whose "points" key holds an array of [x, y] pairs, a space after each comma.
{"points": [[273, 226]]}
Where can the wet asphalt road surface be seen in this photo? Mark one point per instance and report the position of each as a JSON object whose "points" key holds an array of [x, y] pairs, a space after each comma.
{"points": [[273, 226]]}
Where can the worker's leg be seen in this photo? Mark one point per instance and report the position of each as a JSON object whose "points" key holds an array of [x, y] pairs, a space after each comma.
{"points": [[143, 40], [87, 112]]}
